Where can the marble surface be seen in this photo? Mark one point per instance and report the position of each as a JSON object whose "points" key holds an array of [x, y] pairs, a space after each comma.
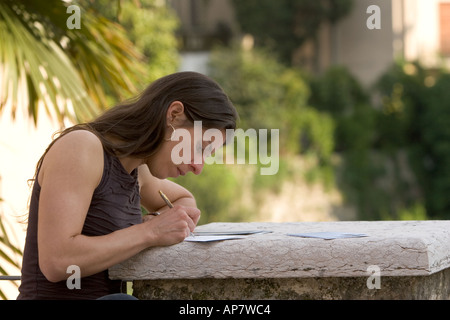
{"points": [[397, 248]]}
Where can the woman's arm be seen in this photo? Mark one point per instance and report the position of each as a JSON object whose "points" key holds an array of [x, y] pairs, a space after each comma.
{"points": [[150, 198], [70, 172]]}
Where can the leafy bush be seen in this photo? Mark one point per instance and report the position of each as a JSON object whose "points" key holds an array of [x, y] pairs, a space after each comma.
{"points": [[269, 96], [433, 158], [215, 190], [338, 93], [416, 118]]}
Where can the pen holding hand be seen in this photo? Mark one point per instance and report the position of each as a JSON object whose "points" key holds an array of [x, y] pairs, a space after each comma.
{"points": [[170, 205]]}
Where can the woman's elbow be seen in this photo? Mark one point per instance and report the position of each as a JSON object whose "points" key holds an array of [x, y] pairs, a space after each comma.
{"points": [[53, 270]]}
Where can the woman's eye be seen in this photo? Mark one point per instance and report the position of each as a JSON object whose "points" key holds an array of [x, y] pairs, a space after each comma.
{"points": [[200, 148], [208, 150]]}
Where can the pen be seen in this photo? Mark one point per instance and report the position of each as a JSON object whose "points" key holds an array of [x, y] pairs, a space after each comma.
{"points": [[169, 204], [166, 200]]}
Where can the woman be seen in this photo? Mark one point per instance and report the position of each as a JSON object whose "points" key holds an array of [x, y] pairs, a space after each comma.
{"points": [[91, 182]]}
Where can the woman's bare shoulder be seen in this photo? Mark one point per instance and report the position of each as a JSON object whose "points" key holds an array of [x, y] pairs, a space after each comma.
{"points": [[79, 150], [81, 136], [82, 141]]}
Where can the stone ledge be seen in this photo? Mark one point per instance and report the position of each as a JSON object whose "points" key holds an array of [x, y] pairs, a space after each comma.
{"points": [[398, 248], [435, 286]]}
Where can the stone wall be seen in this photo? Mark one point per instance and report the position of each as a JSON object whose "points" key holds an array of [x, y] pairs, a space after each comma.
{"points": [[411, 259]]}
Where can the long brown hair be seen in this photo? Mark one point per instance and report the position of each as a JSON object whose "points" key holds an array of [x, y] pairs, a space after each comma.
{"points": [[140, 124]]}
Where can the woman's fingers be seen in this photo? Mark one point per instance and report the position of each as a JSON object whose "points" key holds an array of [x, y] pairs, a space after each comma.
{"points": [[189, 214], [175, 224], [194, 214]]}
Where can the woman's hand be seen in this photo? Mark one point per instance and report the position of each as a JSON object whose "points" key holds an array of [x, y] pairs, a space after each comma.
{"points": [[172, 226]]}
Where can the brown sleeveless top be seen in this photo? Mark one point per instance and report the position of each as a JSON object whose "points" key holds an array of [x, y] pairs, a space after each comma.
{"points": [[115, 205]]}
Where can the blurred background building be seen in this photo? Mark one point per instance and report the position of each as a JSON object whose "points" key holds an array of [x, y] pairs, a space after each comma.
{"points": [[410, 29]]}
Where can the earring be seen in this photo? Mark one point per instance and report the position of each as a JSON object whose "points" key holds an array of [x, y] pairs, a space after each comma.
{"points": [[172, 133]]}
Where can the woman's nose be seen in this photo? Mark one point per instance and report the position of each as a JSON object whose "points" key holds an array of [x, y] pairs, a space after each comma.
{"points": [[197, 167]]}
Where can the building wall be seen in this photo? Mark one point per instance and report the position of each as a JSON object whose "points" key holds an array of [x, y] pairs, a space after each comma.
{"points": [[366, 52], [420, 29], [410, 29]]}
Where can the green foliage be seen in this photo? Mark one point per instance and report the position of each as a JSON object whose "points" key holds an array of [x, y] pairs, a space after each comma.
{"points": [[271, 182], [252, 82], [284, 25], [404, 96], [416, 212], [77, 73], [215, 190], [267, 95], [434, 170], [413, 120], [416, 117], [151, 28], [394, 155], [68, 71], [339, 94]]}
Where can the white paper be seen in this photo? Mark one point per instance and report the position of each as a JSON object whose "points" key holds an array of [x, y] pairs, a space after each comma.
{"points": [[328, 235], [199, 238], [230, 232]]}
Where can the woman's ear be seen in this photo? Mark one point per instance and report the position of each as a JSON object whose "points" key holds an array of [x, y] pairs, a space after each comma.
{"points": [[175, 114]]}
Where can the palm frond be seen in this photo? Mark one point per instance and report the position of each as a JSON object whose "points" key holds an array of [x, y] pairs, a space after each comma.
{"points": [[68, 72], [36, 71]]}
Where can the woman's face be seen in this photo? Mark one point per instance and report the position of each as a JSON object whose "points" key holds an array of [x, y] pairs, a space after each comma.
{"points": [[185, 152], [183, 149]]}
